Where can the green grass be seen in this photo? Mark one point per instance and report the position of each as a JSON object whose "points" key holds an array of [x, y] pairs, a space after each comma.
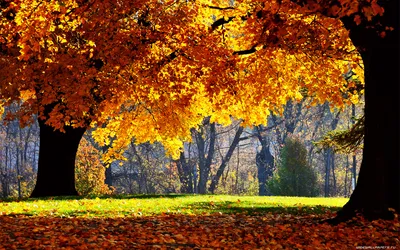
{"points": [[141, 205]]}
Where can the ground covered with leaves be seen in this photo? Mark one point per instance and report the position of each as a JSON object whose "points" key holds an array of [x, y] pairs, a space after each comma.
{"points": [[202, 222]]}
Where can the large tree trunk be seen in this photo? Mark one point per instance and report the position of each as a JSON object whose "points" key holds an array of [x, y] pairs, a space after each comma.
{"points": [[378, 186], [205, 161], [56, 168]]}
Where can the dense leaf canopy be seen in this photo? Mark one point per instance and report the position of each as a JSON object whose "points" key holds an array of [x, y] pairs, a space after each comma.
{"points": [[153, 69]]}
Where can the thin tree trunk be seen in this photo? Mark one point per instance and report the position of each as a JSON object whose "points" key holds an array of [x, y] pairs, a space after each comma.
{"points": [[333, 173], [346, 176], [353, 113], [18, 168], [327, 171], [5, 184], [225, 160], [237, 172]]}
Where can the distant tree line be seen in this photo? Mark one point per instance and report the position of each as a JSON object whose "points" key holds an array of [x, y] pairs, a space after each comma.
{"points": [[280, 158]]}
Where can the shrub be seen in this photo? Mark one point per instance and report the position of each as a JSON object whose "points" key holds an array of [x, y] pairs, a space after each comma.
{"points": [[89, 171]]}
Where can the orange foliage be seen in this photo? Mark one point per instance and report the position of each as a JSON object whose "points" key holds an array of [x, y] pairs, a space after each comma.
{"points": [[164, 65], [89, 171]]}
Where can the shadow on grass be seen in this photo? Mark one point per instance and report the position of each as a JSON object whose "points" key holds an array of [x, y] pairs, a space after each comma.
{"points": [[251, 208]]}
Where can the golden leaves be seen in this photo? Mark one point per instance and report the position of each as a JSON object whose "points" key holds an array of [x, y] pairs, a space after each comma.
{"points": [[161, 66], [1, 109], [90, 173]]}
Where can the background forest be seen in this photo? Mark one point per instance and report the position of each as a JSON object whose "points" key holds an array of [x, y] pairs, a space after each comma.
{"points": [[277, 159]]}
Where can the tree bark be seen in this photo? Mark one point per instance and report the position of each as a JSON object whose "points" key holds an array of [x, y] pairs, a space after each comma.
{"points": [[330, 158], [56, 168], [378, 186], [354, 168], [327, 171], [334, 193], [185, 174], [265, 164], [205, 162], [225, 160], [109, 177]]}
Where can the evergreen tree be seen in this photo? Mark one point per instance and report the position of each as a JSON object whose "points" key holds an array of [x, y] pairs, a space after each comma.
{"points": [[294, 176]]}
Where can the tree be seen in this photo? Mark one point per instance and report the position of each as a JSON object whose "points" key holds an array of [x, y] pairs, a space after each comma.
{"points": [[18, 157], [329, 156], [265, 160], [294, 177], [73, 56], [373, 28], [185, 168], [265, 163], [225, 160], [206, 152], [90, 173]]}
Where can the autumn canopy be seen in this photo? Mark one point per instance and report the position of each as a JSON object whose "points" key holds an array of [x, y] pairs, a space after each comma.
{"points": [[127, 65]]}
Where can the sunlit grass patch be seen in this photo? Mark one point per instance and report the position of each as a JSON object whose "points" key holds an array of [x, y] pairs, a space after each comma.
{"points": [[169, 204]]}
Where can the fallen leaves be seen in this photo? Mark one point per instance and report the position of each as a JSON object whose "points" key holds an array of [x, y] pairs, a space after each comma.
{"points": [[228, 231]]}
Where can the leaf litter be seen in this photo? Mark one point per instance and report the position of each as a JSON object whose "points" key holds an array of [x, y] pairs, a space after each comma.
{"points": [[208, 231]]}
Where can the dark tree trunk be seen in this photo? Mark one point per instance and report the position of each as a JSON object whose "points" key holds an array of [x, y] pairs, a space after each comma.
{"points": [[328, 156], [354, 168], [378, 186], [265, 168], [225, 160], [346, 177], [265, 164], [330, 159], [5, 176], [56, 168], [109, 178], [334, 124], [205, 161], [334, 193], [185, 174]]}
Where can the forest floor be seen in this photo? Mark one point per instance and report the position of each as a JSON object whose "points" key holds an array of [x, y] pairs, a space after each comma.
{"points": [[187, 222]]}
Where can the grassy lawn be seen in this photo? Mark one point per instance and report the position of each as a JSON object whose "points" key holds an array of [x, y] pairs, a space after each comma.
{"points": [[187, 222], [143, 205]]}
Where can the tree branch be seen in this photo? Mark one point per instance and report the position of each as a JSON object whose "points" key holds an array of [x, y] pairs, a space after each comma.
{"points": [[246, 52], [221, 21], [220, 8]]}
